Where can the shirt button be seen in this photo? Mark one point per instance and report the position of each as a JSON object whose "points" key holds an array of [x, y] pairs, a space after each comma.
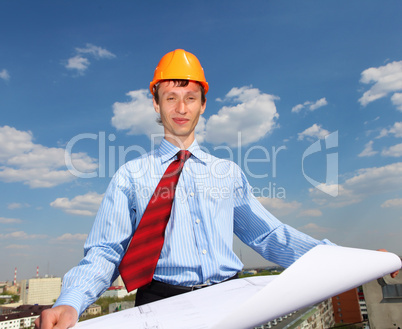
{"points": [[197, 221], [192, 194], [187, 169], [204, 251]]}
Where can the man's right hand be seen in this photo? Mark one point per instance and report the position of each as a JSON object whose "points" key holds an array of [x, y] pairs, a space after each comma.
{"points": [[59, 317]]}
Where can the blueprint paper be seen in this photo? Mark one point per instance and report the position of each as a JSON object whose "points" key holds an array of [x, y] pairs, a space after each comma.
{"points": [[323, 272], [196, 310]]}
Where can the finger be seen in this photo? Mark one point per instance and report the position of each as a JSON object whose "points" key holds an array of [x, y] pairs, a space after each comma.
{"points": [[37, 323], [48, 319]]}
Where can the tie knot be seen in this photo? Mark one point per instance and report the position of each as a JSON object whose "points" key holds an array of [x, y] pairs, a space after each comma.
{"points": [[183, 155]]}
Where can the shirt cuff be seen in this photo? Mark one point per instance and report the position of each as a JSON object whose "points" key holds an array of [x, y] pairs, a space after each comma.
{"points": [[73, 298]]}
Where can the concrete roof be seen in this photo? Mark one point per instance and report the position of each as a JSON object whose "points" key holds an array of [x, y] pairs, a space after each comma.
{"points": [[384, 302]]}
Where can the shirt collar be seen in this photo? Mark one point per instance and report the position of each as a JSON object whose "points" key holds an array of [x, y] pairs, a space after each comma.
{"points": [[167, 151]]}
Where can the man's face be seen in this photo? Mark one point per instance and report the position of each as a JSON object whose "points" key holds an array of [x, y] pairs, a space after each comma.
{"points": [[180, 109]]}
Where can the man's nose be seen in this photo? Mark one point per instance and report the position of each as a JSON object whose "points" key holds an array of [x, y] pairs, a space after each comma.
{"points": [[181, 107]]}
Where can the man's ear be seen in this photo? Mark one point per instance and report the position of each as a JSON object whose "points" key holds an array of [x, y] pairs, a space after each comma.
{"points": [[203, 107], [156, 105]]}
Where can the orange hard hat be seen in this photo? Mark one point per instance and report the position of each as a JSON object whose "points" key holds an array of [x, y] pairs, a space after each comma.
{"points": [[179, 64]]}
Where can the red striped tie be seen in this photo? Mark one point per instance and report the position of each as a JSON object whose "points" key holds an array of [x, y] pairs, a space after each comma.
{"points": [[138, 264]]}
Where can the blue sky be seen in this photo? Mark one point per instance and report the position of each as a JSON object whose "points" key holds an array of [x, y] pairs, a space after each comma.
{"points": [[311, 90]]}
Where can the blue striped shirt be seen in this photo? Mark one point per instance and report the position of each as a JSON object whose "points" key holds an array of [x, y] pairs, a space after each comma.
{"points": [[213, 200]]}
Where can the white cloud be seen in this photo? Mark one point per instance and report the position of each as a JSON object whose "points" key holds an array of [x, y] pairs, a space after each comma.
{"points": [[393, 151], [37, 156], [68, 238], [310, 213], [137, 115], [365, 182], [17, 246], [80, 61], [320, 103], [21, 235], [95, 51], [81, 205], [315, 131], [4, 220], [200, 130], [253, 116], [14, 142], [298, 108], [17, 205], [397, 100], [4, 75], [392, 203], [36, 165], [329, 189], [311, 106], [368, 150], [370, 121], [279, 207], [312, 229], [396, 130], [377, 179], [53, 157], [35, 178], [384, 132], [385, 79], [344, 197]]}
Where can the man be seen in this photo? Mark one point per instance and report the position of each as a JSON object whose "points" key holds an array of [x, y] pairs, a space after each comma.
{"points": [[213, 199]]}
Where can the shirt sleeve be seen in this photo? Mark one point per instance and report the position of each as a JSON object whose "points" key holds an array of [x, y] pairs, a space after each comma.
{"points": [[104, 247], [263, 232]]}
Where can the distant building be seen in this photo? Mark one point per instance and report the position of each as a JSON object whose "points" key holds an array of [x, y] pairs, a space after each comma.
{"points": [[10, 305], [120, 306], [22, 317], [6, 309], [319, 316], [41, 291], [6, 298], [93, 309], [346, 307], [12, 289], [118, 282], [362, 304], [384, 302], [117, 290]]}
